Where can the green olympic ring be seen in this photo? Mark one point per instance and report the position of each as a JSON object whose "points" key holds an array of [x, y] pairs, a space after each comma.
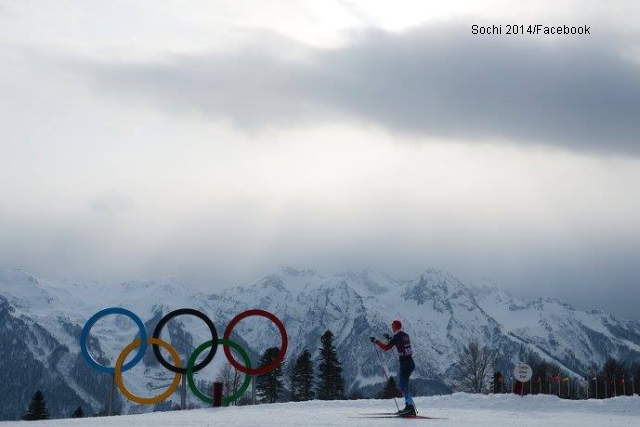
{"points": [[192, 361]]}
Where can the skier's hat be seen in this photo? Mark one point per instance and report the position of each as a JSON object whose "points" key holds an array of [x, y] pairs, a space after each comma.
{"points": [[396, 324]]}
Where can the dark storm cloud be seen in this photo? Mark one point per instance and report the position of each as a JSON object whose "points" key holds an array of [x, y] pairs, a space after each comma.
{"points": [[579, 93]]}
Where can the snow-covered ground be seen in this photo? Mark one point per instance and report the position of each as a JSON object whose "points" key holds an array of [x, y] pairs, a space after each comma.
{"points": [[459, 409]]}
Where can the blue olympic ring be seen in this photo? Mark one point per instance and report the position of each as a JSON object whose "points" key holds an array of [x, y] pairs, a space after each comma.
{"points": [[92, 321]]}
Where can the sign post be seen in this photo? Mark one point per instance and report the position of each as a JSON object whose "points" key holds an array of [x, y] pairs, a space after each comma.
{"points": [[217, 394], [522, 373], [183, 393], [112, 391]]}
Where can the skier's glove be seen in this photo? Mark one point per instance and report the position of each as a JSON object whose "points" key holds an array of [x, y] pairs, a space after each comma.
{"points": [[387, 336], [373, 339]]}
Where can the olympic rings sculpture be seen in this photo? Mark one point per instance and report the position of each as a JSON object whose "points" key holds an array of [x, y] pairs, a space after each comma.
{"points": [[144, 341]]}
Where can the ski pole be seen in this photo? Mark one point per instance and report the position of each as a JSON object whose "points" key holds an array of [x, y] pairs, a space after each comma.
{"points": [[385, 375]]}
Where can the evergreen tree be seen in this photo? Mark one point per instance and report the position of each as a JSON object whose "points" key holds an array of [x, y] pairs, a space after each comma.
{"points": [[302, 378], [331, 385], [289, 380], [37, 408], [78, 413], [294, 381], [269, 386], [634, 371], [543, 375], [613, 372], [390, 390]]}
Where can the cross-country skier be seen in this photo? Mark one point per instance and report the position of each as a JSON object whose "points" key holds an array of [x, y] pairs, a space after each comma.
{"points": [[402, 342]]}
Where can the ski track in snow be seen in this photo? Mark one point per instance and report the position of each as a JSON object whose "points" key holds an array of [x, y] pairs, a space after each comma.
{"points": [[459, 409]]}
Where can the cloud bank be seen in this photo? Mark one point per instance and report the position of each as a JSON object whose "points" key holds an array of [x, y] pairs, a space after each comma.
{"points": [[118, 161], [432, 81]]}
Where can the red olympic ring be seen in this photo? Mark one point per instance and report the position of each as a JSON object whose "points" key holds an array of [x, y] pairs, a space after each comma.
{"points": [[283, 349]]}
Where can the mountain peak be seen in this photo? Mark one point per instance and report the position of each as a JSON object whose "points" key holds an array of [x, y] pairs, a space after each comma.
{"points": [[435, 274], [285, 278], [434, 284], [374, 282], [17, 276], [485, 288], [439, 279], [168, 285], [289, 270], [23, 288]]}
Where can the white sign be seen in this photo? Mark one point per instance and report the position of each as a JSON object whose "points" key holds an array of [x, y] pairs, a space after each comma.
{"points": [[523, 372]]}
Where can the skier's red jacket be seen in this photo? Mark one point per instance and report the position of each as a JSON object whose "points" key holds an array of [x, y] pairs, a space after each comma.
{"points": [[401, 341]]}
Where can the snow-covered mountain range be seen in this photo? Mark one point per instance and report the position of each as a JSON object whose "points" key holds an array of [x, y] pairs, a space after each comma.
{"points": [[40, 323]]}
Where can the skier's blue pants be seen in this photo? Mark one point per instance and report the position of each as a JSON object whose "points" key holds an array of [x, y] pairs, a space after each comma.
{"points": [[406, 368]]}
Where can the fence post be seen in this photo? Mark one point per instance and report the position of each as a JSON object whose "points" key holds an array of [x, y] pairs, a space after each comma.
{"points": [[111, 395], [183, 393]]}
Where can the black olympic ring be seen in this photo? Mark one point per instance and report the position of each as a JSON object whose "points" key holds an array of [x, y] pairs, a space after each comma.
{"points": [[180, 312]]}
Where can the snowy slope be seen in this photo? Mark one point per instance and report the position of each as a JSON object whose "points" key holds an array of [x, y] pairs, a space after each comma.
{"points": [[454, 410], [438, 310]]}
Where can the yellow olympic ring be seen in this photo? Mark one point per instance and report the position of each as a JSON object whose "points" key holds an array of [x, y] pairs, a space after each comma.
{"points": [[147, 400]]}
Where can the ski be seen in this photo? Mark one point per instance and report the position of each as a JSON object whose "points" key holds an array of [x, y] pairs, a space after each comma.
{"points": [[378, 413], [421, 417], [413, 417]]}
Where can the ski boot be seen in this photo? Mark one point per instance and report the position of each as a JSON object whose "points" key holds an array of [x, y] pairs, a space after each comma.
{"points": [[400, 411], [408, 411]]}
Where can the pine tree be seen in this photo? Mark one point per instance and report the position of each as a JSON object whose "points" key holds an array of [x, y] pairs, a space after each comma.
{"points": [[269, 386], [390, 390], [78, 413], [289, 380], [294, 381], [302, 378], [37, 408], [331, 385]]}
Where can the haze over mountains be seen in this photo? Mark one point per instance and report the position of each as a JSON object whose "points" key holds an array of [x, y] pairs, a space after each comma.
{"points": [[40, 322]]}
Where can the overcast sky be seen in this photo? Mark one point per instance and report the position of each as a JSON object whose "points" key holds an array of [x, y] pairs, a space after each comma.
{"points": [[213, 140]]}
